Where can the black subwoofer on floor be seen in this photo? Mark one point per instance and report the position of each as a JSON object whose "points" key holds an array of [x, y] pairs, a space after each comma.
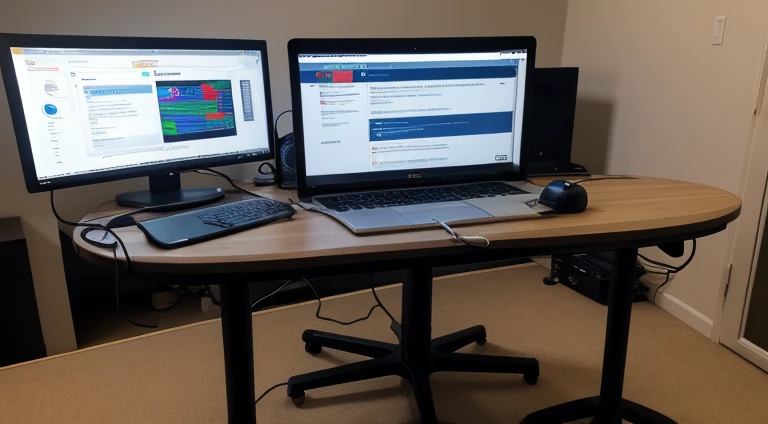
{"points": [[590, 275]]}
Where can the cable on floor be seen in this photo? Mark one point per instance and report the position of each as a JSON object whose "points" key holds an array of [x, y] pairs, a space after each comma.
{"points": [[378, 304], [266, 392], [378, 301], [320, 305]]}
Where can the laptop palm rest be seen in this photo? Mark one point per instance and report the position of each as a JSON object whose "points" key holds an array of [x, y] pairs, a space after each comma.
{"points": [[443, 211]]}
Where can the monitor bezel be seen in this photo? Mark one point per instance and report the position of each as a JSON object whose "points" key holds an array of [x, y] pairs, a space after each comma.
{"points": [[405, 178], [35, 185]]}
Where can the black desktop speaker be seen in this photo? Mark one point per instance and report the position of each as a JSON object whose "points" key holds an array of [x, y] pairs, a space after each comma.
{"points": [[285, 161], [552, 116]]}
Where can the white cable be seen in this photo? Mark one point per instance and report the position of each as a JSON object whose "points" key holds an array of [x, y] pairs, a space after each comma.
{"points": [[273, 293], [476, 241]]}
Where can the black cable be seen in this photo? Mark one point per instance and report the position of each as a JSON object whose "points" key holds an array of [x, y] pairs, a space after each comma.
{"points": [[617, 177], [117, 296], [103, 217], [277, 120], [675, 269], [268, 165], [320, 305], [670, 269], [381, 305], [266, 392], [129, 264], [208, 293], [229, 180], [666, 280]]}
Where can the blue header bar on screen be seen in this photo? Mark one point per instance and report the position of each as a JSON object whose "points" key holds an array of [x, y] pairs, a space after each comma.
{"points": [[422, 74], [406, 65], [116, 90]]}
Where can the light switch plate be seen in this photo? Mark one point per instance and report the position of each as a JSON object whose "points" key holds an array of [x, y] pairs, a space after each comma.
{"points": [[719, 31]]}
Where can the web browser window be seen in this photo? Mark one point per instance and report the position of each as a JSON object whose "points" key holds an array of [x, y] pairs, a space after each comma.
{"points": [[368, 113], [93, 110]]}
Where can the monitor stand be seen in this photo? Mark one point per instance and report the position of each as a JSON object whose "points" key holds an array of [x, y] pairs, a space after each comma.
{"points": [[165, 194]]}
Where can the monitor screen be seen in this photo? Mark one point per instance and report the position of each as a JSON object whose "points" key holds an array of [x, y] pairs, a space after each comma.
{"points": [[90, 111], [364, 114]]}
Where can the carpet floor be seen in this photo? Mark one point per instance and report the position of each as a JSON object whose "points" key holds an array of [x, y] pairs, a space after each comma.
{"points": [[177, 376]]}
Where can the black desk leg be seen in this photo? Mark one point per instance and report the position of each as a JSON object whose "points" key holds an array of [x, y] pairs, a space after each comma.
{"points": [[236, 328], [609, 407]]}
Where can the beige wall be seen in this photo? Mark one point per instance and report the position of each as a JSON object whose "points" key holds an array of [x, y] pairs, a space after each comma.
{"points": [[275, 21], [657, 99]]}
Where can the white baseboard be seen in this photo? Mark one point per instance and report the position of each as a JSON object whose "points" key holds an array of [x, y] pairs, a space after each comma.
{"points": [[686, 314]]}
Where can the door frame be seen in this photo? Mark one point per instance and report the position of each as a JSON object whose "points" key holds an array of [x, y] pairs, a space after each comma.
{"points": [[748, 233]]}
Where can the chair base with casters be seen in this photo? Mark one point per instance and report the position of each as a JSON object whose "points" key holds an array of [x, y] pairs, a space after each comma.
{"points": [[414, 358]]}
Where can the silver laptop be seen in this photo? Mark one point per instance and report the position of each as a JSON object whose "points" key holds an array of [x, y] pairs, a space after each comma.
{"points": [[397, 134]]}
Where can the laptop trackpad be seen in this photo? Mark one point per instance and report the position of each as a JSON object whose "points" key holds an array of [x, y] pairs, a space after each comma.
{"points": [[443, 211]]}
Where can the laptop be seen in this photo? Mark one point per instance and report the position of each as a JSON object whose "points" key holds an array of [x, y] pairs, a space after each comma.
{"points": [[400, 134]]}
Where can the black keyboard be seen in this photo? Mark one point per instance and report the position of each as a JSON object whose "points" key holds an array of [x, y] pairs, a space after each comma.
{"points": [[415, 196], [246, 213]]}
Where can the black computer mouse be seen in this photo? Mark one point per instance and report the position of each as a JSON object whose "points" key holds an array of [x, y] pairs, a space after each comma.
{"points": [[564, 197], [122, 221]]}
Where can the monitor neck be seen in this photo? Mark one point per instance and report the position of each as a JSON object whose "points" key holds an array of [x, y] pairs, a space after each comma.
{"points": [[165, 194], [163, 183]]}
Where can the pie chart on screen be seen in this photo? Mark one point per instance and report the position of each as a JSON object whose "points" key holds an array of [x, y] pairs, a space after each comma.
{"points": [[51, 111]]}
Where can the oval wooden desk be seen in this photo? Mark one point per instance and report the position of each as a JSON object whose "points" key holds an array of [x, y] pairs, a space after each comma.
{"points": [[622, 215]]}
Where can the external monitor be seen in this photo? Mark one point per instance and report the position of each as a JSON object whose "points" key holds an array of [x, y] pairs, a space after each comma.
{"points": [[403, 112], [94, 109]]}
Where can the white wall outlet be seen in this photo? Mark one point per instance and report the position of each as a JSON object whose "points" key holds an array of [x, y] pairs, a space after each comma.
{"points": [[717, 35]]}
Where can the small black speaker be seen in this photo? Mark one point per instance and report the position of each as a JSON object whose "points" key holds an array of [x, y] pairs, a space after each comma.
{"points": [[552, 115], [285, 159]]}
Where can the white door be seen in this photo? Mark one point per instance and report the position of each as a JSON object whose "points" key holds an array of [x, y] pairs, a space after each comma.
{"points": [[744, 325]]}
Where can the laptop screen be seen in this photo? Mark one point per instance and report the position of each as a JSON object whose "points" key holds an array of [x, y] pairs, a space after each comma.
{"points": [[366, 114]]}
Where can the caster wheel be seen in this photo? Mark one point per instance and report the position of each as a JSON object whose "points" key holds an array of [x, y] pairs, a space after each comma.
{"points": [[298, 401], [482, 341], [313, 349], [531, 378]]}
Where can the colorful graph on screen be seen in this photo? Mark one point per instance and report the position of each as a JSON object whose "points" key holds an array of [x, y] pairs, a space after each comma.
{"points": [[194, 110]]}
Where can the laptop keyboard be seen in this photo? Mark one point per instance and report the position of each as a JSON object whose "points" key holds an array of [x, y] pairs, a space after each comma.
{"points": [[415, 196]]}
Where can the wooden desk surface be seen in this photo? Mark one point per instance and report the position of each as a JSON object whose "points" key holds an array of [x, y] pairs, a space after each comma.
{"points": [[637, 212]]}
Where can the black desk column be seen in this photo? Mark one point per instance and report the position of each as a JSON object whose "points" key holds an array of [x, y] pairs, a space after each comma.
{"points": [[237, 332]]}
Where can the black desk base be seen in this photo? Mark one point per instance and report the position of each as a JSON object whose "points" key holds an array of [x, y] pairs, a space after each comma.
{"points": [[415, 358], [609, 407]]}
